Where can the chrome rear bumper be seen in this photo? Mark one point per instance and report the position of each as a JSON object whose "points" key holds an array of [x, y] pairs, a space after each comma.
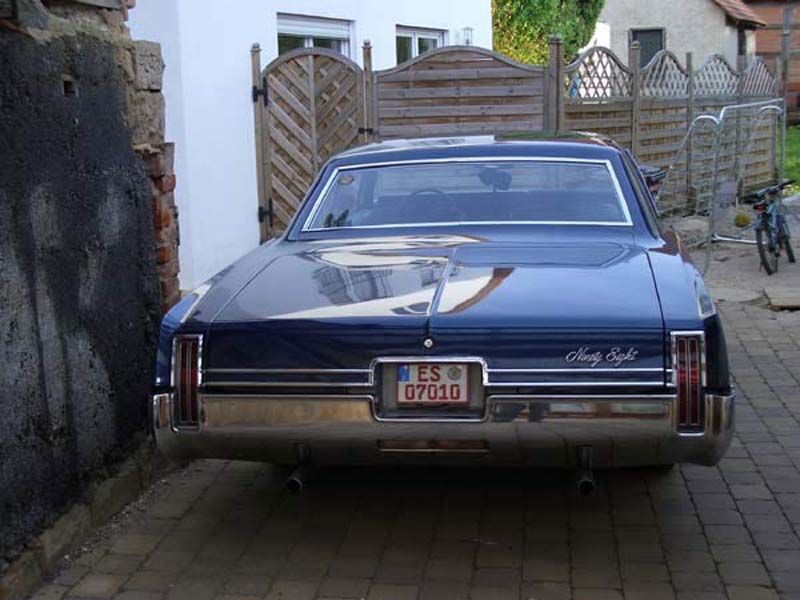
{"points": [[535, 431]]}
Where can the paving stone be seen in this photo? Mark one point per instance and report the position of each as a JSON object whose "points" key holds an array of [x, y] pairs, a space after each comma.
{"points": [[787, 581], [597, 594], [118, 564], [488, 593], [293, 590], [98, 585], [136, 544], [51, 591], [638, 590], [247, 585], [596, 578], [743, 573], [138, 595], [444, 590], [737, 592], [384, 591], [546, 591], [344, 587], [150, 581]]}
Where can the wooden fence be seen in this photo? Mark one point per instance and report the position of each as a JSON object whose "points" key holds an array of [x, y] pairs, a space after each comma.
{"points": [[312, 103]]}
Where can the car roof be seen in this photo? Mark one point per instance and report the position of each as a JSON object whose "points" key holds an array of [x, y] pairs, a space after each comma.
{"points": [[534, 144]]}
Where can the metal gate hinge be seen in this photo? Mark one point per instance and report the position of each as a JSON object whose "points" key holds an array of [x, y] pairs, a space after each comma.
{"points": [[266, 213], [261, 92], [368, 130]]}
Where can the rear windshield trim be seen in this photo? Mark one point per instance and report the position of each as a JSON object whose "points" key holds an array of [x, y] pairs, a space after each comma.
{"points": [[470, 159]]}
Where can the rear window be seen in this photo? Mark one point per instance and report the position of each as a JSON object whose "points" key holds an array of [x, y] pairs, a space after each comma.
{"points": [[447, 193]]}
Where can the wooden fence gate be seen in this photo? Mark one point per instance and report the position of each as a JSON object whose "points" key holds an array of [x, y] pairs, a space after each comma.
{"points": [[309, 105]]}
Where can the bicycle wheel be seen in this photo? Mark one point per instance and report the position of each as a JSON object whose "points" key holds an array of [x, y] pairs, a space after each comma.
{"points": [[785, 238], [767, 249]]}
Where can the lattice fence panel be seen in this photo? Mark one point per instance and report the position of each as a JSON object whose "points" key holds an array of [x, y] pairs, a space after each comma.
{"points": [[459, 91], [716, 77], [759, 80], [596, 75], [664, 77]]}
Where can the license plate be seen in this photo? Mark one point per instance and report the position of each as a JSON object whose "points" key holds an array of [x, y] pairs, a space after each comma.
{"points": [[432, 383]]}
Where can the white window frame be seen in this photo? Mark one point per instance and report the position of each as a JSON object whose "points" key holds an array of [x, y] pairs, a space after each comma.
{"points": [[415, 33], [309, 27]]}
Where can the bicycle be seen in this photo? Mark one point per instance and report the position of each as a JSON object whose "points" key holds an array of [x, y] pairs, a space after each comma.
{"points": [[772, 231]]}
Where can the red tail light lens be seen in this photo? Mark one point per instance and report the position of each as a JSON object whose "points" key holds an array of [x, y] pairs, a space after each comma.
{"points": [[689, 379], [186, 379]]}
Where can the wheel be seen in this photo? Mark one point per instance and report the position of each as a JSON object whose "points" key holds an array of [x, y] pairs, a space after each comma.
{"points": [[785, 239], [787, 246], [766, 248]]}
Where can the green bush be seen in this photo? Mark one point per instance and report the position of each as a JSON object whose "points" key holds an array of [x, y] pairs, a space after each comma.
{"points": [[522, 27]]}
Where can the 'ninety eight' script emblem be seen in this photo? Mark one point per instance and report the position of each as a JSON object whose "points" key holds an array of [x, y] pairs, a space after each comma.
{"points": [[615, 356]]}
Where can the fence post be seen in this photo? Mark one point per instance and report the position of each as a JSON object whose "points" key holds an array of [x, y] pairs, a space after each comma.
{"points": [[690, 110], [369, 117], [634, 58], [259, 92], [786, 42], [741, 67], [554, 117]]}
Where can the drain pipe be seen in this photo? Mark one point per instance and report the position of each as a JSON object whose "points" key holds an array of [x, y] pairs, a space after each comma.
{"points": [[584, 476]]}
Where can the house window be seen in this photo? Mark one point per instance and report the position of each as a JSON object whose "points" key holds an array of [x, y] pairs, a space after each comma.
{"points": [[413, 41], [650, 41], [299, 31]]}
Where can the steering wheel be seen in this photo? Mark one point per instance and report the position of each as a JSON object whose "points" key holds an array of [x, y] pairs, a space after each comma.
{"points": [[452, 205]]}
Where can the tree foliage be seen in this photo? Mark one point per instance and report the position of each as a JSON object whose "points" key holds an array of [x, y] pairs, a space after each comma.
{"points": [[522, 27]]}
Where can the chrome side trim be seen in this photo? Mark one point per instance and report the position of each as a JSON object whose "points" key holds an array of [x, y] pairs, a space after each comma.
{"points": [[583, 370], [472, 159], [485, 374], [577, 384], [278, 371], [301, 384]]}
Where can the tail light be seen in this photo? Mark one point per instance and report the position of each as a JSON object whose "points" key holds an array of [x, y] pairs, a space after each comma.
{"points": [[689, 378], [186, 375]]}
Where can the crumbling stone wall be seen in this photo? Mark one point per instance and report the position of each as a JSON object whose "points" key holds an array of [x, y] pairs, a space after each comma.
{"points": [[85, 181]]}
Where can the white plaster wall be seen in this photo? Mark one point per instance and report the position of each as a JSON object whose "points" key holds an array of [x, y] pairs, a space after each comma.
{"points": [[696, 26], [206, 46]]}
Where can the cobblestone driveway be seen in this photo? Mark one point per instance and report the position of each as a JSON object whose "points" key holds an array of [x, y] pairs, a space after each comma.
{"points": [[228, 529]]}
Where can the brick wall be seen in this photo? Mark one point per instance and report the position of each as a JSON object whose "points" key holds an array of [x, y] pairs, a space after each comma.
{"points": [[165, 223], [146, 116]]}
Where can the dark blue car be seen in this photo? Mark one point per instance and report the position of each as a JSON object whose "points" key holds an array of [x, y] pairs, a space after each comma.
{"points": [[471, 301]]}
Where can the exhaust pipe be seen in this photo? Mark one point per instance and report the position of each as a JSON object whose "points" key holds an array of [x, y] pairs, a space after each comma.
{"points": [[584, 476], [297, 480]]}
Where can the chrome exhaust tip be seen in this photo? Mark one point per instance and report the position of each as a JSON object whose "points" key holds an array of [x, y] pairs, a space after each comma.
{"points": [[296, 482], [585, 478], [586, 484]]}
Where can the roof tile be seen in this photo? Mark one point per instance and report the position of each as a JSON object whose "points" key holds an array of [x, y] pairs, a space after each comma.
{"points": [[739, 11]]}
